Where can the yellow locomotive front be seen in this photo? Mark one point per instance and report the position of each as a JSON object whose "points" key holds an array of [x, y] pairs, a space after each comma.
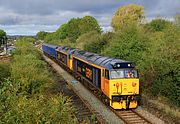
{"points": [[121, 85], [124, 88]]}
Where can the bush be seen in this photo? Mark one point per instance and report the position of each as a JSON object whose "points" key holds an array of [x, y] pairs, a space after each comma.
{"points": [[4, 71], [127, 44], [161, 65], [91, 42], [36, 109], [30, 72], [25, 98], [158, 25], [24, 47]]}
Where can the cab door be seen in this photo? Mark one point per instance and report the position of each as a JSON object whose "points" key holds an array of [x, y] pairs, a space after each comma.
{"points": [[103, 79], [105, 82]]}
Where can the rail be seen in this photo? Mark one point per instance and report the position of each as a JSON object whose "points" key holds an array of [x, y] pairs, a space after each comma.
{"points": [[131, 117]]}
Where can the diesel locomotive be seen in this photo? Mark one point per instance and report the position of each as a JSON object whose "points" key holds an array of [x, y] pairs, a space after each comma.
{"points": [[116, 81]]}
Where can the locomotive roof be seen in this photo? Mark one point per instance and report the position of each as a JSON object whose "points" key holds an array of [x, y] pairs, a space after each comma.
{"points": [[106, 62], [66, 49], [50, 45]]}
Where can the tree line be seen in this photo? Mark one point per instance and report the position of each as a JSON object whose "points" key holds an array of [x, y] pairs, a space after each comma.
{"points": [[154, 46]]}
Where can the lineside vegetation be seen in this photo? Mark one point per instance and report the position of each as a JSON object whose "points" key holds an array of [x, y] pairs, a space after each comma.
{"points": [[25, 87]]}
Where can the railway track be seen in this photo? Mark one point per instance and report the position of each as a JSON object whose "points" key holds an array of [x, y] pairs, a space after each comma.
{"points": [[128, 116], [84, 112], [132, 117], [87, 111]]}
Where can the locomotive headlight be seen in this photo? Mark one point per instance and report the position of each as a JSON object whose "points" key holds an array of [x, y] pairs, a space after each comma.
{"points": [[133, 84]]}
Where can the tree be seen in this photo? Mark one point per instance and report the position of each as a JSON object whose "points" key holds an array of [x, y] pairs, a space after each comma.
{"points": [[41, 35], [127, 15], [73, 29], [2, 37], [89, 23], [76, 27], [158, 25], [93, 43], [128, 44], [62, 31], [160, 64]]}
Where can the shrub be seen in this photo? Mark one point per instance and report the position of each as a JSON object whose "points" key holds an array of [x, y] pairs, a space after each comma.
{"points": [[4, 71], [25, 98], [161, 64], [30, 72], [127, 44], [37, 109], [91, 42], [158, 25]]}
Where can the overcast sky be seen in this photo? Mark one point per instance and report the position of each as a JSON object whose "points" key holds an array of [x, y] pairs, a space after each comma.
{"points": [[27, 17]]}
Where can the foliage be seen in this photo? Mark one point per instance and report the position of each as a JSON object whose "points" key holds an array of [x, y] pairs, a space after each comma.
{"points": [[126, 15], [41, 35], [62, 31], [83, 40], [25, 47], [128, 44], [93, 43], [89, 23], [67, 42], [25, 96], [4, 71], [73, 29], [161, 64], [158, 25], [2, 36], [25, 69], [37, 109], [52, 38], [26, 66]]}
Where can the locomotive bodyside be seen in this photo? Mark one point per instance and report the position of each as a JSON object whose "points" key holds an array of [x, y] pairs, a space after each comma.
{"points": [[50, 50], [116, 79]]}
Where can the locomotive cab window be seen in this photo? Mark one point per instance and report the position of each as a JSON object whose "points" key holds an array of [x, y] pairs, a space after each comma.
{"points": [[120, 73], [131, 74], [115, 74]]}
